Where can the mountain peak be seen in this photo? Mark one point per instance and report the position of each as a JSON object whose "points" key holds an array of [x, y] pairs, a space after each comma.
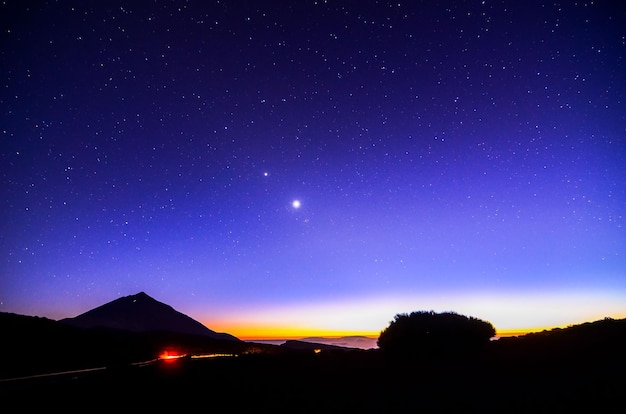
{"points": [[142, 313], [139, 296]]}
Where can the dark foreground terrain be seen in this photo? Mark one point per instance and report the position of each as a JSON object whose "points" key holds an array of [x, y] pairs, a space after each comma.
{"points": [[579, 369]]}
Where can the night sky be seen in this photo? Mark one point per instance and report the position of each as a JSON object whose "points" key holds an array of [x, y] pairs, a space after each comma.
{"points": [[275, 168]]}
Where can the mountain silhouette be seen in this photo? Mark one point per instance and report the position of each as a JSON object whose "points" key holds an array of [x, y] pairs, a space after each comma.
{"points": [[141, 313]]}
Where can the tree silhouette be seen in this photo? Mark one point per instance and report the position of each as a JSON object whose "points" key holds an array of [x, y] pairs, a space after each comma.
{"points": [[430, 333]]}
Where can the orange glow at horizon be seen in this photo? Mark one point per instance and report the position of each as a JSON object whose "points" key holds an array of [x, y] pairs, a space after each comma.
{"points": [[268, 332], [517, 332], [511, 314], [271, 334]]}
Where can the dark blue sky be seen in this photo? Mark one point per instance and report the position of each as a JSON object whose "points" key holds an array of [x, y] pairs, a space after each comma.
{"points": [[464, 156]]}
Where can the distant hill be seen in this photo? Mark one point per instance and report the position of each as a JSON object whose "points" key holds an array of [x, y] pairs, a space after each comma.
{"points": [[362, 342], [592, 339], [141, 313], [39, 345], [312, 346]]}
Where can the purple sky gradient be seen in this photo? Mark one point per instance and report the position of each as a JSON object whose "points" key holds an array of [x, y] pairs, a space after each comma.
{"points": [[465, 156]]}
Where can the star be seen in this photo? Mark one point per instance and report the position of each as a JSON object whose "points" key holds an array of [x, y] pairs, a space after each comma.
{"points": [[296, 204]]}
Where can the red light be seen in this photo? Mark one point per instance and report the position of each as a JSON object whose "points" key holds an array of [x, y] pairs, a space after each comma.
{"points": [[170, 355]]}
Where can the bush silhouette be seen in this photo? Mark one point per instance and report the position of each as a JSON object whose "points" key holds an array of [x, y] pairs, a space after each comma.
{"points": [[426, 333]]}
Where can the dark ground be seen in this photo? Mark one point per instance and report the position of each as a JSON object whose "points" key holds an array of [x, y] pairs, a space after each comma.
{"points": [[582, 369], [351, 382]]}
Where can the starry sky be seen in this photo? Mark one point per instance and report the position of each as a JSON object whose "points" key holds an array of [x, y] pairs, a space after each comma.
{"points": [[286, 168]]}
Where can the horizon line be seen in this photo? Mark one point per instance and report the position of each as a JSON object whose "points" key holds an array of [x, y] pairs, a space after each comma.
{"points": [[499, 334]]}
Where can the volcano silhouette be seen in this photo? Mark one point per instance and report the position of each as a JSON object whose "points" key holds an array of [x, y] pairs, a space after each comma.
{"points": [[142, 313]]}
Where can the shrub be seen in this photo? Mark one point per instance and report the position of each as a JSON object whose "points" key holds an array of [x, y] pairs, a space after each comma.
{"points": [[428, 333]]}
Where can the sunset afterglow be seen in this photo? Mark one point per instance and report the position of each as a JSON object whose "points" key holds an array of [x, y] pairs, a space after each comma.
{"points": [[510, 313]]}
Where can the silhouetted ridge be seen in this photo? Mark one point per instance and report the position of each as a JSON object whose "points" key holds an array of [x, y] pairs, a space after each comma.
{"points": [[142, 313], [313, 346], [591, 339], [353, 341]]}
